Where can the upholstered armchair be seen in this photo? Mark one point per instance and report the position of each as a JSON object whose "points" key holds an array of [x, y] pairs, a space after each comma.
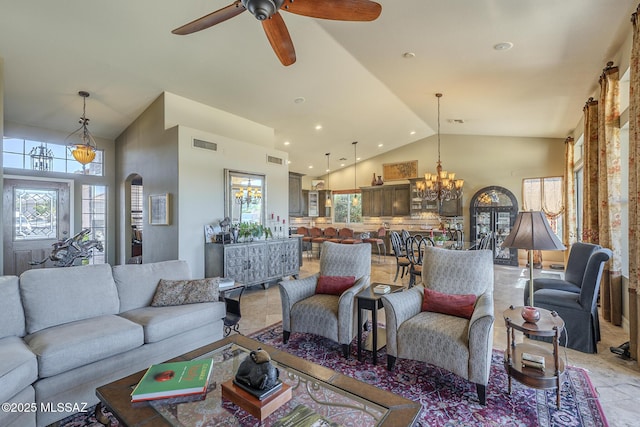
{"points": [[461, 345], [578, 310], [573, 275], [331, 316]]}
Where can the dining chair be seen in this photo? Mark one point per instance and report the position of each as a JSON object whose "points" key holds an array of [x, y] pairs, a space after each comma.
{"points": [[415, 251], [397, 245]]}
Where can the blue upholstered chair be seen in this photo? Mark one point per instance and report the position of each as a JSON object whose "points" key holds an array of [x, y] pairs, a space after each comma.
{"points": [[330, 316], [578, 309]]}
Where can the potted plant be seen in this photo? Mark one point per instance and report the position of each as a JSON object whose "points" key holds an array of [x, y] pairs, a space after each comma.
{"points": [[439, 239]]}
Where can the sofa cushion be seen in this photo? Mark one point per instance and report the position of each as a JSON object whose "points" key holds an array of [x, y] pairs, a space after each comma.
{"points": [[137, 283], [460, 305], [178, 292], [65, 347], [18, 367], [54, 296], [164, 322], [334, 285], [11, 313]]}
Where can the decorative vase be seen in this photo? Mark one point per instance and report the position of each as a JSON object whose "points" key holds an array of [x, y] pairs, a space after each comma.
{"points": [[373, 180], [379, 182], [530, 314]]}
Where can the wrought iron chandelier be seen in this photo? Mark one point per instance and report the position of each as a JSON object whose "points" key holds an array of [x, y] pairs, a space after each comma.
{"points": [[248, 195], [41, 158], [82, 145], [441, 185]]}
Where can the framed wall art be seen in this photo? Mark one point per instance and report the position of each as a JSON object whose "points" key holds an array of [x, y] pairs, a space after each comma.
{"points": [[159, 209], [400, 170]]}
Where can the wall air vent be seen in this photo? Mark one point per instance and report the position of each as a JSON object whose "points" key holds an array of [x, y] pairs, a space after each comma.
{"points": [[206, 145], [275, 160]]}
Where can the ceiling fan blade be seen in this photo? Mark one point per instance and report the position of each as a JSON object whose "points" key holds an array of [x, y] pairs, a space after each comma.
{"points": [[280, 40], [338, 10], [211, 19]]}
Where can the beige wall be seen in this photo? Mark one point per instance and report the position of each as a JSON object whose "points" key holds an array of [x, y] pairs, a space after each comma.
{"points": [[158, 147]]}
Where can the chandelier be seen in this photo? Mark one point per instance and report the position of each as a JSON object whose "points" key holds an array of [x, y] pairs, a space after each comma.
{"points": [[82, 145], [41, 158], [328, 203], [248, 195], [441, 185]]}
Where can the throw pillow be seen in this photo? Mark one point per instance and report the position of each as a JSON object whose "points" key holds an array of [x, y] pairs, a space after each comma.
{"points": [[334, 285], [454, 305], [178, 292]]}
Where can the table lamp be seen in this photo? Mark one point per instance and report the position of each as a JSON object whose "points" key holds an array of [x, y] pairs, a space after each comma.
{"points": [[532, 232]]}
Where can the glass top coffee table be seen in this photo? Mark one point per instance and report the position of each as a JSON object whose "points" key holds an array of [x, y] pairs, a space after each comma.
{"points": [[338, 398]]}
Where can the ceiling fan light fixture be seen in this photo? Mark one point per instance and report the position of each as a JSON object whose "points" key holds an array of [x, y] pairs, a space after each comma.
{"points": [[262, 9]]}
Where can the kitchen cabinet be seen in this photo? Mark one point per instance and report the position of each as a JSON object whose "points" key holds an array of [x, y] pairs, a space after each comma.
{"points": [[254, 263], [385, 200], [296, 199]]}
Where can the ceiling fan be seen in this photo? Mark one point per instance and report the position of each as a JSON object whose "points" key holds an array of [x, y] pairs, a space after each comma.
{"points": [[273, 24]]}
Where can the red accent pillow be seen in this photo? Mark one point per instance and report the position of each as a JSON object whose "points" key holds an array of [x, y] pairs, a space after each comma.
{"points": [[334, 285], [454, 305]]}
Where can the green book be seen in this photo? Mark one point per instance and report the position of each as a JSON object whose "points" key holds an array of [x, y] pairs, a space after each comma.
{"points": [[173, 379]]}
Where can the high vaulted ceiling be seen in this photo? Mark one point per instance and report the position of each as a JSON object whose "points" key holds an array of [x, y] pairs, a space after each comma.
{"points": [[352, 76]]}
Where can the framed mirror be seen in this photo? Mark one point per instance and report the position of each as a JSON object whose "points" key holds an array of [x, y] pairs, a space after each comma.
{"points": [[244, 196]]}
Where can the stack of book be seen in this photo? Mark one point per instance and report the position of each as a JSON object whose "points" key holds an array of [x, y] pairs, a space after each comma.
{"points": [[382, 289], [174, 379], [532, 361]]}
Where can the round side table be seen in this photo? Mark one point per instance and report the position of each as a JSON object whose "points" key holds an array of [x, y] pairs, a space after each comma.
{"points": [[549, 325]]}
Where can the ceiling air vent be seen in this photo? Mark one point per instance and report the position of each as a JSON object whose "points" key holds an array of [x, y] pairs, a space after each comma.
{"points": [[206, 145], [275, 160]]}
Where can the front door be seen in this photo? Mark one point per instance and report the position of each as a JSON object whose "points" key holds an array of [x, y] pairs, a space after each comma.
{"points": [[36, 215]]}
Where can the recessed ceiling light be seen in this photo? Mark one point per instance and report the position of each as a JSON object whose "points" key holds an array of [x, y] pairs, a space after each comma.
{"points": [[358, 159], [288, 162], [310, 166], [327, 170], [287, 143], [380, 145], [341, 164], [299, 100], [318, 127], [503, 46], [408, 55], [413, 132]]}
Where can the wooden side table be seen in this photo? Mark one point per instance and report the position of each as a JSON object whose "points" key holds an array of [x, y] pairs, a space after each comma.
{"points": [[549, 325], [369, 300]]}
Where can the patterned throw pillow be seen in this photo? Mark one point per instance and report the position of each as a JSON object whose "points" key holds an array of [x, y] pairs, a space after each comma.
{"points": [[334, 285], [178, 292], [454, 305]]}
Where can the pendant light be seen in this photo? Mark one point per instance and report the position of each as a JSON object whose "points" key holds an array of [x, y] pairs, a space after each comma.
{"points": [[328, 203], [355, 185], [81, 143]]}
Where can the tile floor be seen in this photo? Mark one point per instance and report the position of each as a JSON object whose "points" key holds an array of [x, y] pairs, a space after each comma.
{"points": [[616, 380]]}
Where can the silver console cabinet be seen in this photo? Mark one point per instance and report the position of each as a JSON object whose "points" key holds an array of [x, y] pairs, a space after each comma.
{"points": [[254, 263]]}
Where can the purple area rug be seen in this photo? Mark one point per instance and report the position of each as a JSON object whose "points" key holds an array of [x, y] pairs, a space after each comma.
{"points": [[446, 399], [449, 400]]}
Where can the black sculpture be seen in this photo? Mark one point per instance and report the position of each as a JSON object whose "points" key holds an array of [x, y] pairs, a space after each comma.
{"points": [[257, 372], [66, 251]]}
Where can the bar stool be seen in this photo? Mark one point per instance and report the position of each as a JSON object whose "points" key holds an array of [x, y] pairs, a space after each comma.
{"points": [[378, 241]]}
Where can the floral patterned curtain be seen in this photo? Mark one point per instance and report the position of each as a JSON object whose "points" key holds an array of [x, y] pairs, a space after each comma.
{"points": [[609, 192], [569, 231], [634, 190], [590, 172]]}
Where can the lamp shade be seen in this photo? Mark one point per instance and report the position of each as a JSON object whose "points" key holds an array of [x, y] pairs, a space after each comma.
{"points": [[532, 231]]}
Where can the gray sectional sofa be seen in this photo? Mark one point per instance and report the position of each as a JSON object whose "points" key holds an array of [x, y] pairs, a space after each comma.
{"points": [[66, 331]]}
